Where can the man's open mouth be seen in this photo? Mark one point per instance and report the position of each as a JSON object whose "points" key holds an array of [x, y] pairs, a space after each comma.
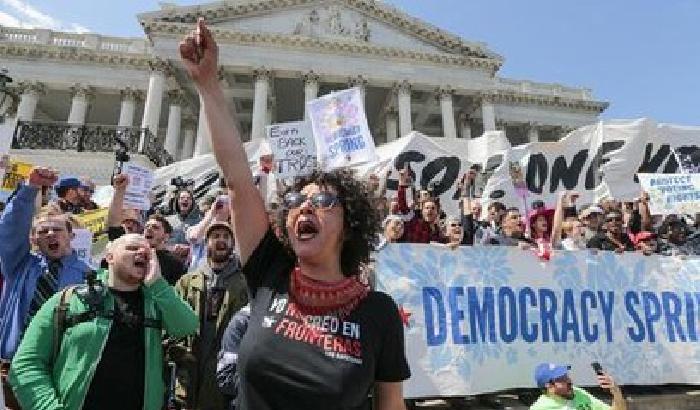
{"points": [[306, 230]]}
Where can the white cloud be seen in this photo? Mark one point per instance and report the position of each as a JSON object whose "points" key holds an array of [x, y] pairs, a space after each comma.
{"points": [[22, 14]]}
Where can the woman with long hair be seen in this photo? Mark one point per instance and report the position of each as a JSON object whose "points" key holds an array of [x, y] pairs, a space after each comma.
{"points": [[318, 338]]}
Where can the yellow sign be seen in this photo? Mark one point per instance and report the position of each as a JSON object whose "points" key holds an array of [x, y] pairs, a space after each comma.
{"points": [[95, 221], [17, 172]]}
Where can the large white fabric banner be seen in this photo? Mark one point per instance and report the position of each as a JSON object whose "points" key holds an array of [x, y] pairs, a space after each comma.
{"points": [[479, 319]]}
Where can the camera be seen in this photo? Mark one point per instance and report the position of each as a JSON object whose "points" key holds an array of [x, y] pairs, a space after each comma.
{"points": [[181, 183]]}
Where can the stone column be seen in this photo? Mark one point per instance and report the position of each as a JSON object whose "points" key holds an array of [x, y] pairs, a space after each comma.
{"points": [[187, 149], [154, 99], [262, 88], [128, 107], [533, 134], [28, 99], [449, 130], [391, 125], [172, 135], [310, 88], [403, 90], [465, 126], [203, 143], [488, 115], [359, 82], [270, 113], [79, 104]]}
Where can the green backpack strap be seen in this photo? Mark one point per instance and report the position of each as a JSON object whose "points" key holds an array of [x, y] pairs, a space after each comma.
{"points": [[60, 315]]}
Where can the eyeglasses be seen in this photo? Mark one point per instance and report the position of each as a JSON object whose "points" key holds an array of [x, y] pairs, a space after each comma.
{"points": [[614, 219], [321, 200], [454, 225]]}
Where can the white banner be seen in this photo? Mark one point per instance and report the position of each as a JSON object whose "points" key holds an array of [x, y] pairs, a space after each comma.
{"points": [[82, 244], [293, 148], [479, 319], [672, 193], [340, 129]]}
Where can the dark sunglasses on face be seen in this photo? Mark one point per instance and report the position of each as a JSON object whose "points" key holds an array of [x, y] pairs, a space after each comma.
{"points": [[454, 225], [614, 219], [319, 200]]}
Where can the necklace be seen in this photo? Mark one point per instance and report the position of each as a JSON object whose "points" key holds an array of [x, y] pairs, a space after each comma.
{"points": [[320, 298]]}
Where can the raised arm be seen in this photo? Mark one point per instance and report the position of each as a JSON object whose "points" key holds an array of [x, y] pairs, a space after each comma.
{"points": [[199, 53], [116, 207], [558, 219]]}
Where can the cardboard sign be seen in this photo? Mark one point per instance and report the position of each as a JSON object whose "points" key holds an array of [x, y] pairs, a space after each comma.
{"points": [[672, 193], [340, 129], [293, 148], [138, 191]]}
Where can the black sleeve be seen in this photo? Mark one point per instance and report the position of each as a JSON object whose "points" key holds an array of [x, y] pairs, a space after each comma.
{"points": [[267, 262], [392, 365], [570, 211], [594, 243], [114, 232], [469, 228], [635, 222]]}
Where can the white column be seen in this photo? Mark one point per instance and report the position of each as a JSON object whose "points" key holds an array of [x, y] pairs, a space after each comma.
{"points": [[128, 107], [28, 100], [79, 104], [465, 126], [262, 88], [391, 125], [310, 88], [403, 90], [172, 135], [488, 115], [154, 99], [271, 111], [533, 134], [203, 143], [188, 139], [449, 130]]}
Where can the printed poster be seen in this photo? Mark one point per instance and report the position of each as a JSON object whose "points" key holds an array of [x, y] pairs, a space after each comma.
{"points": [[14, 172], [138, 191], [293, 148], [340, 129], [672, 193], [82, 244]]}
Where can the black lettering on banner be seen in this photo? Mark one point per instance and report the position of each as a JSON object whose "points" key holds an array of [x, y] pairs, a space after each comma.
{"points": [[450, 165], [568, 175], [536, 174], [689, 155], [399, 163], [651, 163], [594, 177]]}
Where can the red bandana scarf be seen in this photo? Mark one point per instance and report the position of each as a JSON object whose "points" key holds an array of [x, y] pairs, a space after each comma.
{"points": [[319, 298]]}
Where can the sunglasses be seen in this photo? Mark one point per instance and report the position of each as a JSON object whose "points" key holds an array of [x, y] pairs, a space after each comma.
{"points": [[614, 219], [321, 200], [454, 225]]}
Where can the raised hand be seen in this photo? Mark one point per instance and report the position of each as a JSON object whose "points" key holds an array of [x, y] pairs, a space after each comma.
{"points": [[42, 177], [200, 55], [120, 182]]}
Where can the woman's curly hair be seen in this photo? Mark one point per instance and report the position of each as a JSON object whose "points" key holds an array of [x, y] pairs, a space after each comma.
{"points": [[361, 223]]}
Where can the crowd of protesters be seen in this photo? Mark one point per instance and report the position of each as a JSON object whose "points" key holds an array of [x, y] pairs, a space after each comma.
{"points": [[182, 283]]}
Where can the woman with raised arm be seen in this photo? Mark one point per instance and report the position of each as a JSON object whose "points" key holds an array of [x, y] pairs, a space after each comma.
{"points": [[317, 337]]}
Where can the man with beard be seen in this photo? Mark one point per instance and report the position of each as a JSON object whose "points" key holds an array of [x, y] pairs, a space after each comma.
{"points": [[157, 231], [31, 277], [558, 392], [110, 353], [69, 197], [216, 291]]}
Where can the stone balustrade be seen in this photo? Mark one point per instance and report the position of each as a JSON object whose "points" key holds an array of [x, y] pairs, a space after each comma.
{"points": [[548, 89], [63, 39]]}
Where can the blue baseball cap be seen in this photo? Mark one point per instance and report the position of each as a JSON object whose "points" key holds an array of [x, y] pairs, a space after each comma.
{"points": [[546, 372], [69, 183]]}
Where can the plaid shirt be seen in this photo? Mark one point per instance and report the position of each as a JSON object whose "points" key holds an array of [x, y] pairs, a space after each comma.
{"points": [[417, 230]]}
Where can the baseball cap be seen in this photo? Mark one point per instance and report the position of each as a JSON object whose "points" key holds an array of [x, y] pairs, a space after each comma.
{"points": [[546, 372], [69, 183], [218, 225], [593, 209]]}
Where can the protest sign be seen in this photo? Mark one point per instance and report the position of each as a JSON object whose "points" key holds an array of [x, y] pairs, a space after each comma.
{"points": [[470, 311], [293, 148], [95, 221], [15, 172], [138, 191], [340, 129], [672, 193], [82, 244]]}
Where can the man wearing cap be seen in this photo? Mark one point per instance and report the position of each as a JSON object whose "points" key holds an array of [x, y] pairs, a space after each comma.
{"points": [[592, 219], [558, 392], [85, 191], [69, 198], [215, 291]]}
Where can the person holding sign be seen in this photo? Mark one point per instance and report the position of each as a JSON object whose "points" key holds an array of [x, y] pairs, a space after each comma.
{"points": [[559, 393], [318, 338]]}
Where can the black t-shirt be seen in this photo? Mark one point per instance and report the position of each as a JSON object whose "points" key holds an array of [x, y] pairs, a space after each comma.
{"points": [[170, 266], [119, 378], [602, 242], [291, 361]]}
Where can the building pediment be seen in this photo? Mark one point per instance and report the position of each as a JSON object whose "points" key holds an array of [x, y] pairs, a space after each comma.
{"points": [[362, 22]]}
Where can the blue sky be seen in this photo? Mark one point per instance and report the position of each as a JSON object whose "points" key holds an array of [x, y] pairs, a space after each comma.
{"points": [[641, 55]]}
